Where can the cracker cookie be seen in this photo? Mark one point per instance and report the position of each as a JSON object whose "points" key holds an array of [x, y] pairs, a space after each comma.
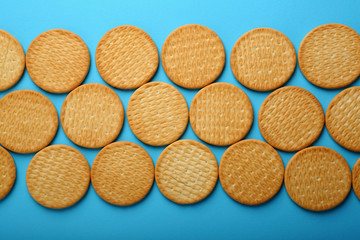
{"points": [[157, 113], [356, 178], [12, 60], [186, 171], [329, 56], [221, 114], [343, 118], [193, 56], [58, 60], [7, 172], [317, 178], [263, 59], [58, 176], [251, 172], [92, 115], [291, 118], [28, 121], [122, 173], [126, 57]]}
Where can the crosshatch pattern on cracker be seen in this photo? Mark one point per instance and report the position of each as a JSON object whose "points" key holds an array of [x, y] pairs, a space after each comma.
{"points": [[317, 178], [221, 114], [28, 121], [58, 176], [92, 115], [58, 60], [7, 172], [157, 113], [251, 172], [193, 56], [126, 57], [343, 118], [329, 56], [186, 171], [12, 60], [291, 118], [263, 59], [122, 173], [356, 178]]}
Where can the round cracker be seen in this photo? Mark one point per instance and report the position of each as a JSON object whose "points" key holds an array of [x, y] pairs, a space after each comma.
{"points": [[58, 60], [356, 178], [157, 113], [186, 172], [329, 56], [58, 176], [251, 172], [221, 114], [122, 173], [291, 118], [317, 178], [92, 115], [7, 172], [343, 118], [12, 60], [193, 56], [263, 59], [28, 121], [126, 57]]}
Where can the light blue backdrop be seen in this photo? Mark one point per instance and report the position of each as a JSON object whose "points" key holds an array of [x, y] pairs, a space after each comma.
{"points": [[155, 217]]}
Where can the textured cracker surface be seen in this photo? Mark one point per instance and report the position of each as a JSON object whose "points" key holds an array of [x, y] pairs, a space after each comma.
{"points": [[251, 171], [343, 118], [329, 56], [92, 115], [193, 56], [122, 173], [186, 172], [7, 172], [58, 176], [263, 59], [12, 60], [157, 113], [221, 114], [58, 60], [28, 121], [126, 57], [356, 178], [291, 118], [317, 178]]}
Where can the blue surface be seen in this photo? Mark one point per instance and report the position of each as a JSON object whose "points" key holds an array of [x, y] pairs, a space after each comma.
{"points": [[218, 216]]}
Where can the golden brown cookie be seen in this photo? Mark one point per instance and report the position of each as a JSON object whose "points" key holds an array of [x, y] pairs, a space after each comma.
{"points": [[291, 118], [221, 114], [58, 60], [193, 56], [186, 171], [126, 57], [329, 56], [157, 113], [263, 59], [317, 178], [58, 176], [28, 121], [92, 115], [122, 173], [7, 172], [343, 118], [12, 60], [251, 172], [356, 178]]}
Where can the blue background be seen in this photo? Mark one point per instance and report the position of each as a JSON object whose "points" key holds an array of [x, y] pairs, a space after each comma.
{"points": [[218, 216]]}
